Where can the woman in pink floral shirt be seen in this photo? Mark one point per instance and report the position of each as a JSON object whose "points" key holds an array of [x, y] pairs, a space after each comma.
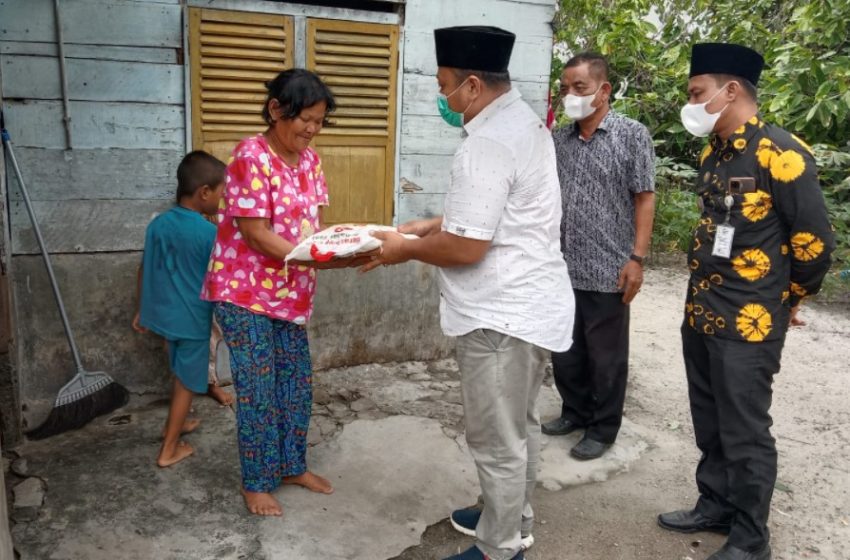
{"points": [[274, 189]]}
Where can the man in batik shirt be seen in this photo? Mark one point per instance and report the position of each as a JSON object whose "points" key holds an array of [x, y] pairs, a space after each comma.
{"points": [[606, 167], [763, 243]]}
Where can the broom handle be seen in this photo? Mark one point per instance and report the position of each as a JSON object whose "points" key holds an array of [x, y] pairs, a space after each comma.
{"points": [[53, 284]]}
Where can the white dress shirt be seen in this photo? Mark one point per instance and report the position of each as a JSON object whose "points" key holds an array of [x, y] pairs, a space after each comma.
{"points": [[504, 188]]}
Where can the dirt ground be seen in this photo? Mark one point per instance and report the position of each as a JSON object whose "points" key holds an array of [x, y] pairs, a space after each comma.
{"points": [[615, 519], [610, 519]]}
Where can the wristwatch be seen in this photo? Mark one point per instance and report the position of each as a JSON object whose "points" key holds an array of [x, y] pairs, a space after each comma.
{"points": [[637, 259]]}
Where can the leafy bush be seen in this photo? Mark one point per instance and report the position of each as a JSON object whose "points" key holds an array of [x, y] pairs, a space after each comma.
{"points": [[676, 211], [804, 88]]}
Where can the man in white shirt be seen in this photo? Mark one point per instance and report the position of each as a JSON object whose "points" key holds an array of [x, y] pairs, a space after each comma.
{"points": [[505, 292]]}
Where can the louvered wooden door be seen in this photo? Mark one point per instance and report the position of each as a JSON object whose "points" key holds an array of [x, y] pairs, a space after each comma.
{"points": [[359, 61], [232, 55]]}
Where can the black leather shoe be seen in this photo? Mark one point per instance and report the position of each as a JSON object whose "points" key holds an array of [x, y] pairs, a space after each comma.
{"points": [[729, 552], [690, 521], [588, 449], [559, 427]]}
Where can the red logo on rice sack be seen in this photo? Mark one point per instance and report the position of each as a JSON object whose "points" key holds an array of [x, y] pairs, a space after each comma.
{"points": [[340, 229], [319, 256]]}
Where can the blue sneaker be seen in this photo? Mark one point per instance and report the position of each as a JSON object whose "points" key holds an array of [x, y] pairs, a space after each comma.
{"points": [[475, 553], [466, 520]]}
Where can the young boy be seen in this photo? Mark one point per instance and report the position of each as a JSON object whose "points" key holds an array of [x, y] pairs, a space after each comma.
{"points": [[178, 244]]}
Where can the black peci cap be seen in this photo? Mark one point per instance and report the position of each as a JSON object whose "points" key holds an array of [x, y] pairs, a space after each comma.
{"points": [[487, 49], [726, 58]]}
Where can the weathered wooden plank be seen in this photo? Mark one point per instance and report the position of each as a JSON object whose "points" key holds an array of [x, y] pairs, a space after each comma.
{"points": [[416, 206], [38, 124], [295, 9], [96, 174], [84, 226], [530, 61], [393, 316], [37, 77], [424, 174], [428, 135], [420, 95], [525, 19], [156, 55], [94, 22]]}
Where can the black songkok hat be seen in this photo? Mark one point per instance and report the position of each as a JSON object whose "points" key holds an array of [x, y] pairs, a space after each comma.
{"points": [[487, 49], [726, 58]]}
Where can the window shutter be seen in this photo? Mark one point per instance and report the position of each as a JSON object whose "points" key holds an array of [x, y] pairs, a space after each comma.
{"points": [[359, 62], [232, 55]]}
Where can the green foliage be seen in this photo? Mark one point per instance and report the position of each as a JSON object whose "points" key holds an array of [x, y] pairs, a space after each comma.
{"points": [[834, 168], [805, 87], [676, 206]]}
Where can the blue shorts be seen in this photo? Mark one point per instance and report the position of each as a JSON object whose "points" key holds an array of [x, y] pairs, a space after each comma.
{"points": [[189, 360]]}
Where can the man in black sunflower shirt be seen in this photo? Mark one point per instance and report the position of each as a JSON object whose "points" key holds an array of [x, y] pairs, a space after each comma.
{"points": [[763, 243]]}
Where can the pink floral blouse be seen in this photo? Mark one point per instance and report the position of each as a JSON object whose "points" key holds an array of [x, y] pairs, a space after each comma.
{"points": [[261, 185]]}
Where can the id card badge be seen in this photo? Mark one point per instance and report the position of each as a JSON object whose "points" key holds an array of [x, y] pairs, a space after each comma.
{"points": [[723, 241]]}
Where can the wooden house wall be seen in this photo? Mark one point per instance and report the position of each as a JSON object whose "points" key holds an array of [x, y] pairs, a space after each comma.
{"points": [[427, 143], [125, 84], [127, 89]]}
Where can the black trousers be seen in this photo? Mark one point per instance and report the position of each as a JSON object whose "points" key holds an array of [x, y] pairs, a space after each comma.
{"points": [[591, 376], [730, 389]]}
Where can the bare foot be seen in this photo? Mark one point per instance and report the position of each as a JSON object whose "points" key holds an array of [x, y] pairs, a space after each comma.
{"points": [[223, 397], [181, 451], [310, 481], [262, 503], [189, 426]]}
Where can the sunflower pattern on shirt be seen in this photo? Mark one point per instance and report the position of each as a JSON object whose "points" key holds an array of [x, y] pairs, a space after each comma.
{"points": [[782, 243], [260, 184]]}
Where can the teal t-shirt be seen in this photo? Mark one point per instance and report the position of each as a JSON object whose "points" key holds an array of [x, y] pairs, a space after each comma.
{"points": [[178, 244]]}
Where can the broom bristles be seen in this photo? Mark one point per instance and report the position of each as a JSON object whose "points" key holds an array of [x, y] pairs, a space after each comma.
{"points": [[77, 414]]}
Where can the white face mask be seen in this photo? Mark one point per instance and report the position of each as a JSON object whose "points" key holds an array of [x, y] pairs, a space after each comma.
{"points": [[697, 120], [579, 107]]}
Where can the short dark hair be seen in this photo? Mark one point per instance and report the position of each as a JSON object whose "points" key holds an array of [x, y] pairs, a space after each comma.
{"points": [[296, 90], [748, 86], [197, 169], [492, 79], [598, 64]]}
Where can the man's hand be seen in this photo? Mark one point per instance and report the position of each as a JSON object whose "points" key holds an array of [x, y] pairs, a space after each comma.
{"points": [[631, 279], [793, 320], [421, 228], [137, 326], [391, 252]]}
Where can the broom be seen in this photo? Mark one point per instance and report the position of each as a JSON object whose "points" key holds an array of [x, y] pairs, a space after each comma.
{"points": [[89, 393]]}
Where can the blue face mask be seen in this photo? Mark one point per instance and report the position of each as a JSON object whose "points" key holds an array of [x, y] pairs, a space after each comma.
{"points": [[452, 118]]}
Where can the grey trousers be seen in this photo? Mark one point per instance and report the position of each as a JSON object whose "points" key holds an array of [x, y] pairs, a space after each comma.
{"points": [[500, 379]]}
